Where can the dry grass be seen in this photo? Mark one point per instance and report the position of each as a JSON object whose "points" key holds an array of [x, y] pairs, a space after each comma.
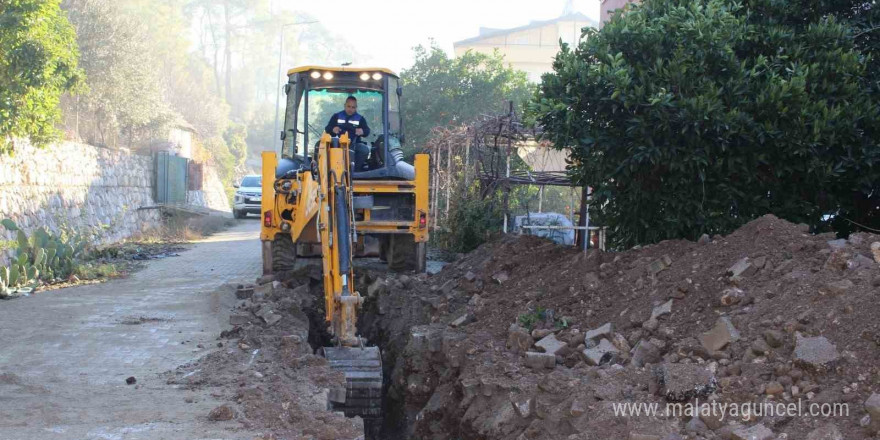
{"points": [[196, 228], [182, 229], [95, 271]]}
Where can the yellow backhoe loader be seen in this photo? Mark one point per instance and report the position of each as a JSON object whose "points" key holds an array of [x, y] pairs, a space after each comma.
{"points": [[317, 203]]}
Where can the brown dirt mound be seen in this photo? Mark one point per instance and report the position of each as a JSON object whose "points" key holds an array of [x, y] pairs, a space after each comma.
{"points": [[455, 374]]}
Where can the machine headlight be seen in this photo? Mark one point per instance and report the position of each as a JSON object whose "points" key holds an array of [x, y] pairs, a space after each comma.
{"points": [[328, 75], [365, 76], [377, 76], [316, 74]]}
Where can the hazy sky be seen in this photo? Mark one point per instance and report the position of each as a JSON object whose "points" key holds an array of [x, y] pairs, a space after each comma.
{"points": [[387, 30]]}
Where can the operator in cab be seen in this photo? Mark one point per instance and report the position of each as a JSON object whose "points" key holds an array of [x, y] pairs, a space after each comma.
{"points": [[351, 122]]}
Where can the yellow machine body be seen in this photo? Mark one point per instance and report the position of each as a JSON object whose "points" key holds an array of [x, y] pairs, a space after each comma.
{"points": [[304, 212], [314, 206]]}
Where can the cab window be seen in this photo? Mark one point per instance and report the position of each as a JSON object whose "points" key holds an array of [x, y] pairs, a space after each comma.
{"points": [[393, 107], [323, 104]]}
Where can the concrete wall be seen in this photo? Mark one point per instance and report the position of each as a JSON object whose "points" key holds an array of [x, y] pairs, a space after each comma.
{"points": [[86, 188], [530, 49], [534, 60]]}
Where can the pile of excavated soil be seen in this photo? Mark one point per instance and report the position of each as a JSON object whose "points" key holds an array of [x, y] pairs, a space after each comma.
{"points": [[526, 339], [267, 369]]}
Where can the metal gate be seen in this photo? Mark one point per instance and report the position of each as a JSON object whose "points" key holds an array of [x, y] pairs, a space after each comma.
{"points": [[171, 177]]}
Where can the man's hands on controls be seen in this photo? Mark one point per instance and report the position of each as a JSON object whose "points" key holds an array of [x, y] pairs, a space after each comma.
{"points": [[336, 130], [359, 131]]}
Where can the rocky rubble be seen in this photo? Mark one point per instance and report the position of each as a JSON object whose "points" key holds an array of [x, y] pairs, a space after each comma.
{"points": [[266, 364], [769, 314]]}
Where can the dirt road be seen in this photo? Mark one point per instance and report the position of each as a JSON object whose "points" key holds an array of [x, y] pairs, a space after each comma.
{"points": [[65, 355]]}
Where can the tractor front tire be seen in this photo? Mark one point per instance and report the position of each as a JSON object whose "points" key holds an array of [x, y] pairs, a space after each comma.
{"points": [[283, 254]]}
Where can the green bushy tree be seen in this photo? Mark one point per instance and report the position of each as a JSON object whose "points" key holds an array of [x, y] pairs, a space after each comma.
{"points": [[471, 222], [38, 62], [439, 90], [691, 117], [125, 98], [236, 139]]}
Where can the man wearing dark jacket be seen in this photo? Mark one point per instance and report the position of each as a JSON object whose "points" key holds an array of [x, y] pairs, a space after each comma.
{"points": [[351, 122]]}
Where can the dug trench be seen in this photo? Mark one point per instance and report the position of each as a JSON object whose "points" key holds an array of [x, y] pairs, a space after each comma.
{"points": [[268, 363], [524, 339]]}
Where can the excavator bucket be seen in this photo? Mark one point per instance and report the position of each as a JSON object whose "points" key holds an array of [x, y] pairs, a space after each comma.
{"points": [[363, 381]]}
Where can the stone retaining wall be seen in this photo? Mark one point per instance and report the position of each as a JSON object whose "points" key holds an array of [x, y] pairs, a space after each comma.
{"points": [[86, 188]]}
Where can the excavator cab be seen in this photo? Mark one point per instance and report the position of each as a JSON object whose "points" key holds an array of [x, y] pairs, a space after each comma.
{"points": [[315, 203], [390, 195]]}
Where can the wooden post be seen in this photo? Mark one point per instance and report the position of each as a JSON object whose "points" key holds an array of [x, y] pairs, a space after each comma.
{"points": [[587, 242], [448, 175], [477, 163], [540, 199], [436, 185], [467, 157], [432, 189], [507, 173], [507, 191], [582, 221]]}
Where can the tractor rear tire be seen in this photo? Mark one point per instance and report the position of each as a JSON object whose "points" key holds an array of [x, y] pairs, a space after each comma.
{"points": [[283, 254], [384, 244], [404, 254]]}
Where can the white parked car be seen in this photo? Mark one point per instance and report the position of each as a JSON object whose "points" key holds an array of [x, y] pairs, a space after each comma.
{"points": [[248, 195]]}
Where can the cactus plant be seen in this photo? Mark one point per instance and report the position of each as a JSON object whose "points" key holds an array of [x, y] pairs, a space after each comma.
{"points": [[42, 237], [9, 224], [4, 282], [32, 273], [14, 274], [22, 238], [42, 256], [40, 259]]}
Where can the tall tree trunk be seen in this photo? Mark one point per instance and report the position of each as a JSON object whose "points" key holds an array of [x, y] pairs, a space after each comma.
{"points": [[228, 53], [216, 64]]}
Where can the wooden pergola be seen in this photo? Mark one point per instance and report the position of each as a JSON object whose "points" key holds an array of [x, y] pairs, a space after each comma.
{"points": [[482, 150]]}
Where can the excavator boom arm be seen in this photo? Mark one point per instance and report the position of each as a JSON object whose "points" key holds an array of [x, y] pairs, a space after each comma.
{"points": [[362, 365], [336, 227]]}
